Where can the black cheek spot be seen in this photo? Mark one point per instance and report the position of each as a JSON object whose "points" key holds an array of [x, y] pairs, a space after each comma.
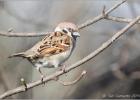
{"points": [[64, 31]]}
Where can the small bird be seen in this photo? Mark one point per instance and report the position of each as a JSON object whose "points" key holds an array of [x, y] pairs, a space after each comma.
{"points": [[53, 50]]}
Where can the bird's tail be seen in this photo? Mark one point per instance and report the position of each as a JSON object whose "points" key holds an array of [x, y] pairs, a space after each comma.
{"points": [[18, 55]]}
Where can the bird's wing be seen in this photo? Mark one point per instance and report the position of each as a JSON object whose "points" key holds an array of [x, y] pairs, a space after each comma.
{"points": [[55, 43]]}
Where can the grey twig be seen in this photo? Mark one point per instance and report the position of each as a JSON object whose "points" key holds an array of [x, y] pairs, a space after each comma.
{"points": [[75, 81], [104, 46], [87, 23], [103, 11], [120, 19], [13, 34]]}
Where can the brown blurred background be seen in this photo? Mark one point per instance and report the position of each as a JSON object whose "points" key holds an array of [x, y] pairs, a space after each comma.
{"points": [[103, 80]]}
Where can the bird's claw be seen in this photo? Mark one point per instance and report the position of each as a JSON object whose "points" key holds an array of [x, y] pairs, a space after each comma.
{"points": [[42, 79], [63, 69]]}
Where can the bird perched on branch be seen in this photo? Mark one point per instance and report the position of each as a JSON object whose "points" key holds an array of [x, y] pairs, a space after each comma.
{"points": [[54, 49]]}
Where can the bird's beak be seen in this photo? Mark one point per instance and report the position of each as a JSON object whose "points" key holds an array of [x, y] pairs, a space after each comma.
{"points": [[76, 34]]}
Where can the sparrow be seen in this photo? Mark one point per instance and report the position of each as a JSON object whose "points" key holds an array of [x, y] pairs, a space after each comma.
{"points": [[53, 50]]}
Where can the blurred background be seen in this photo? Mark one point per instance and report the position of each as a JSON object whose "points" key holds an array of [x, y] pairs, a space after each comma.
{"points": [[112, 74]]}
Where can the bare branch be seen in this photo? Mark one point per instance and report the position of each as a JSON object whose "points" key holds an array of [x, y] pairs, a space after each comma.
{"points": [[103, 11], [101, 16], [87, 23], [104, 46], [11, 34], [75, 81], [120, 19]]}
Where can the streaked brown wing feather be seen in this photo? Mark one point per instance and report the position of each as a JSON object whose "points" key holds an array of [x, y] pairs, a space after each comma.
{"points": [[51, 51], [56, 43]]}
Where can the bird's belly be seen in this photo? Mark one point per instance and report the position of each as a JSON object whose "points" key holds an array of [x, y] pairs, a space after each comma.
{"points": [[60, 58], [53, 61]]}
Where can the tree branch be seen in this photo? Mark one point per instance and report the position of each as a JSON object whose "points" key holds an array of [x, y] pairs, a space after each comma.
{"points": [[87, 23], [73, 82], [120, 19], [104, 46], [101, 16], [13, 34]]}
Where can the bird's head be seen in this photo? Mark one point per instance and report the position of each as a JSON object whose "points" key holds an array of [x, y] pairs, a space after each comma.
{"points": [[68, 28]]}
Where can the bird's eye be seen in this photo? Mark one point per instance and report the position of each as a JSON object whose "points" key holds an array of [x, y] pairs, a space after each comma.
{"points": [[64, 31]]}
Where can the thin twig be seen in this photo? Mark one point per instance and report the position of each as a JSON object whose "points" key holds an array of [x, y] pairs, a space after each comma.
{"points": [[75, 81], [101, 16], [11, 34], [104, 46], [103, 11], [120, 19], [87, 23]]}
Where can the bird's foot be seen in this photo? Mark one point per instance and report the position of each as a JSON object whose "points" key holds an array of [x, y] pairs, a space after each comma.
{"points": [[42, 79], [63, 68]]}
